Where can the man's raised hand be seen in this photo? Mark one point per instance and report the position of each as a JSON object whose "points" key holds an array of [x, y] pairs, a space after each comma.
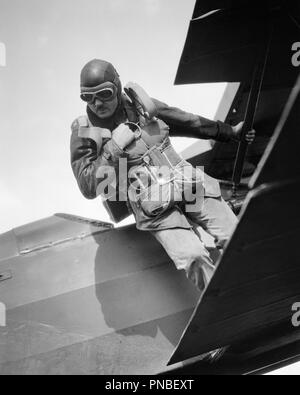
{"points": [[238, 129]]}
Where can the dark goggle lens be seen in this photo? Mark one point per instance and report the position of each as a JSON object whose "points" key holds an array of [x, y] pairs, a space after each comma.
{"points": [[104, 95], [87, 97]]}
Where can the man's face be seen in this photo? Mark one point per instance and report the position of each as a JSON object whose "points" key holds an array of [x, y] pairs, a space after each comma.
{"points": [[104, 109]]}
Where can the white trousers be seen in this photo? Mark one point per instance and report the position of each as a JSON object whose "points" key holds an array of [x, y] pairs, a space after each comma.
{"points": [[186, 249]]}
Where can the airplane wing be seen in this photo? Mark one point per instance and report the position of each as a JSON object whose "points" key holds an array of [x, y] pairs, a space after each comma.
{"points": [[73, 286], [257, 279], [221, 46]]}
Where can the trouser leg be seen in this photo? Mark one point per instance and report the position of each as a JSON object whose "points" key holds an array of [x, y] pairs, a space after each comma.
{"points": [[217, 218], [188, 253]]}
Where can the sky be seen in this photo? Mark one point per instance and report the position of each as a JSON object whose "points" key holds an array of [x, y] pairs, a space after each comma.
{"points": [[43, 46]]}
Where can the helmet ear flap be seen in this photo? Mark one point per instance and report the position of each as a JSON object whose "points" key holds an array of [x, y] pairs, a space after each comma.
{"points": [[117, 82], [120, 92]]}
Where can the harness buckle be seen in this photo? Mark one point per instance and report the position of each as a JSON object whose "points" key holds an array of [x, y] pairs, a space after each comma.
{"points": [[147, 160]]}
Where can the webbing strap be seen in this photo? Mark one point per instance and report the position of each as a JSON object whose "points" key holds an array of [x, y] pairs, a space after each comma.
{"points": [[96, 134]]}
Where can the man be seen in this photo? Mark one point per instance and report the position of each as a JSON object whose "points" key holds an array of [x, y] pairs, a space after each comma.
{"points": [[106, 135]]}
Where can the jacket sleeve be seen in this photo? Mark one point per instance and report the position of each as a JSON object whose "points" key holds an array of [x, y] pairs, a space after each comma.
{"points": [[184, 124], [87, 164]]}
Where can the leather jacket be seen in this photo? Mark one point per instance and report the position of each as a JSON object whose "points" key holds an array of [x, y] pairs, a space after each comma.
{"points": [[89, 155]]}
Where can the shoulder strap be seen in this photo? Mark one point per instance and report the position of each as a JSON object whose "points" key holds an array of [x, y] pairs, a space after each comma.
{"points": [[83, 121], [86, 131]]}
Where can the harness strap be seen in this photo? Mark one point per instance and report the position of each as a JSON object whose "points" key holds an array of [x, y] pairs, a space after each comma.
{"points": [[96, 134]]}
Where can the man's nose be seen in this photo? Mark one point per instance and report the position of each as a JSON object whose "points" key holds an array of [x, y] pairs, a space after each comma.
{"points": [[98, 102]]}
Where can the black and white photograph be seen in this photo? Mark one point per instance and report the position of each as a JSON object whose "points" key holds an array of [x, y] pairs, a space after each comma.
{"points": [[149, 180]]}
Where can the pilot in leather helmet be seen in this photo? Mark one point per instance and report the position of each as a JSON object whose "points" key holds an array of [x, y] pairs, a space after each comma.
{"points": [[168, 197]]}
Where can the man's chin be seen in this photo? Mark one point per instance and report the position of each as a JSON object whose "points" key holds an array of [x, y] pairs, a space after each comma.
{"points": [[103, 114]]}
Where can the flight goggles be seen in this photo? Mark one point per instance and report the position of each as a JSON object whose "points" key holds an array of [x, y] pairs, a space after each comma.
{"points": [[104, 93]]}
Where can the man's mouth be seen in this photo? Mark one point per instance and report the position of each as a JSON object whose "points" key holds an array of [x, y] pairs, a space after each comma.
{"points": [[101, 109]]}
